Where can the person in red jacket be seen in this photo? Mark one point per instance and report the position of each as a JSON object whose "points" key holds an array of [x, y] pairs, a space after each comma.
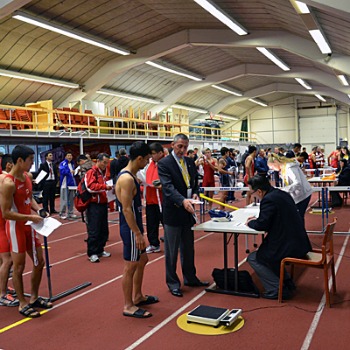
{"points": [[97, 213]]}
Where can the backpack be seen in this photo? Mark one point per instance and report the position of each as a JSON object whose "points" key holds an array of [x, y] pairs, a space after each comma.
{"points": [[82, 197]]}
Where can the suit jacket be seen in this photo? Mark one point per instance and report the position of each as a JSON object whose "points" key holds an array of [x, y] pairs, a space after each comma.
{"points": [[175, 190], [44, 166], [286, 235]]}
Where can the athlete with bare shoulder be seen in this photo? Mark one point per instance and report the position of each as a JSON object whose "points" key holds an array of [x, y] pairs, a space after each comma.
{"points": [[17, 204], [128, 194]]}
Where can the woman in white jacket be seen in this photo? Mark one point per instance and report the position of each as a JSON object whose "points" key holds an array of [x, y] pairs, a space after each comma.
{"points": [[294, 181]]}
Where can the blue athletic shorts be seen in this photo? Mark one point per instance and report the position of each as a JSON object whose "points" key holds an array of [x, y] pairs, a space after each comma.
{"points": [[130, 251]]}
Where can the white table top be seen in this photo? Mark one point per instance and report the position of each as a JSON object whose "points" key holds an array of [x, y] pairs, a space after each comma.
{"points": [[234, 226], [321, 169], [319, 179]]}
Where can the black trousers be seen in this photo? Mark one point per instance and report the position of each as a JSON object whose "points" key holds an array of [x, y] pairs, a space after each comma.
{"points": [[153, 218], [49, 194], [97, 224]]}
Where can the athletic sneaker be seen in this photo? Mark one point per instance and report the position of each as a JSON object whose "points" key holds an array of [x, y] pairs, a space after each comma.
{"points": [[104, 254], [8, 300], [73, 216], [63, 216], [94, 258], [152, 249]]}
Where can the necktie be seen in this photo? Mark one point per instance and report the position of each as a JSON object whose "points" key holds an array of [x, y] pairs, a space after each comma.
{"points": [[185, 174], [50, 168]]}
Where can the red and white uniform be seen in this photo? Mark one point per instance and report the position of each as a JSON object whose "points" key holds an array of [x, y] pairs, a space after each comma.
{"points": [[4, 242], [19, 234]]}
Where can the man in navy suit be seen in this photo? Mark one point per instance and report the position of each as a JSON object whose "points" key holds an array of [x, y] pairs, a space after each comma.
{"points": [[178, 175], [49, 183], [286, 236]]}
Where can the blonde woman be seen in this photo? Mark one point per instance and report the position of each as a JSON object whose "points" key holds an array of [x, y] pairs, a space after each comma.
{"points": [[293, 181]]}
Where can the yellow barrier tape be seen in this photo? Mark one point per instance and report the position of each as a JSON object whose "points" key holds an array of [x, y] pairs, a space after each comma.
{"points": [[217, 202]]}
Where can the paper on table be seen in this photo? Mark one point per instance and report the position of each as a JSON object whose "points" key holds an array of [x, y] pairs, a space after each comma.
{"points": [[41, 175], [110, 194], [196, 201], [45, 227]]}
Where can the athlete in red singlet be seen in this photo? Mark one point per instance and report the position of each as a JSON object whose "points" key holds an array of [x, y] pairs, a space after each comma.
{"points": [[6, 299], [16, 206]]}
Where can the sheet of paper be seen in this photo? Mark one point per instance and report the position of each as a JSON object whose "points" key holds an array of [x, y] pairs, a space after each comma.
{"points": [[76, 170], [40, 176], [110, 194], [45, 227], [196, 201]]}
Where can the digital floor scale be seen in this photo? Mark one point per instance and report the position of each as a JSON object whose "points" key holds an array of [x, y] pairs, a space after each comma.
{"points": [[213, 316]]}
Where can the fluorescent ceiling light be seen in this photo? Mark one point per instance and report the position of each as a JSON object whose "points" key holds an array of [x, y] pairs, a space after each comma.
{"points": [[229, 90], [215, 11], [320, 40], [174, 71], [320, 97], [128, 96], [302, 8], [343, 79], [22, 16], [192, 109], [271, 56], [38, 79], [226, 116], [258, 102], [303, 83]]}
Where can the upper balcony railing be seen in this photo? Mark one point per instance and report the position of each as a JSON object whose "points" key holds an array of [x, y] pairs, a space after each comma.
{"points": [[69, 122]]}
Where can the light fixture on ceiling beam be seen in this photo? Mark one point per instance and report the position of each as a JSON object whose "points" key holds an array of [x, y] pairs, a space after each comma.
{"points": [[223, 17], [343, 79], [300, 7], [191, 109], [272, 57], [25, 17], [128, 96], [321, 98], [312, 26], [258, 102], [177, 71], [38, 79], [303, 83], [228, 90]]}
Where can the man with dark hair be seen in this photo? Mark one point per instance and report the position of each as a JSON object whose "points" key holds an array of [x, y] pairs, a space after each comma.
{"points": [[178, 175], [16, 205], [293, 153], [66, 181], [113, 166], [153, 194], [49, 183], [97, 211], [286, 236], [117, 166], [128, 193]]}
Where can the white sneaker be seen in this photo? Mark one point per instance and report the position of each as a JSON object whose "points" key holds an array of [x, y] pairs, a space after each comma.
{"points": [[73, 216], [152, 249], [63, 216], [94, 258], [104, 254]]}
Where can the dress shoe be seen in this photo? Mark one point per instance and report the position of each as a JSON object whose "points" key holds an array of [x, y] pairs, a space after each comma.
{"points": [[197, 284], [176, 292], [54, 212]]}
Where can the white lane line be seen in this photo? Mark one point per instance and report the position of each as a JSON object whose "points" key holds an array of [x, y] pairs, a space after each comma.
{"points": [[316, 319]]}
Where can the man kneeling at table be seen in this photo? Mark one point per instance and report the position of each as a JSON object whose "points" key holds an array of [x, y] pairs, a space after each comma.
{"points": [[286, 236]]}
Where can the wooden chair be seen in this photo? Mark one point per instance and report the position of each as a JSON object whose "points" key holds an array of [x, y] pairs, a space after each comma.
{"points": [[3, 117], [321, 258], [24, 115]]}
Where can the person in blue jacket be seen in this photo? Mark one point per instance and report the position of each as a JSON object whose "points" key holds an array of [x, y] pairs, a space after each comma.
{"points": [[67, 180]]}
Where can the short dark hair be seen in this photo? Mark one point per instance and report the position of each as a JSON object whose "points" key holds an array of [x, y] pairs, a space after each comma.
{"points": [[47, 154], [297, 145], [6, 158], [190, 151], [156, 147], [81, 157], [341, 160], [116, 154], [259, 182], [251, 149], [122, 152], [224, 150], [100, 156], [139, 148], [21, 151]]}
